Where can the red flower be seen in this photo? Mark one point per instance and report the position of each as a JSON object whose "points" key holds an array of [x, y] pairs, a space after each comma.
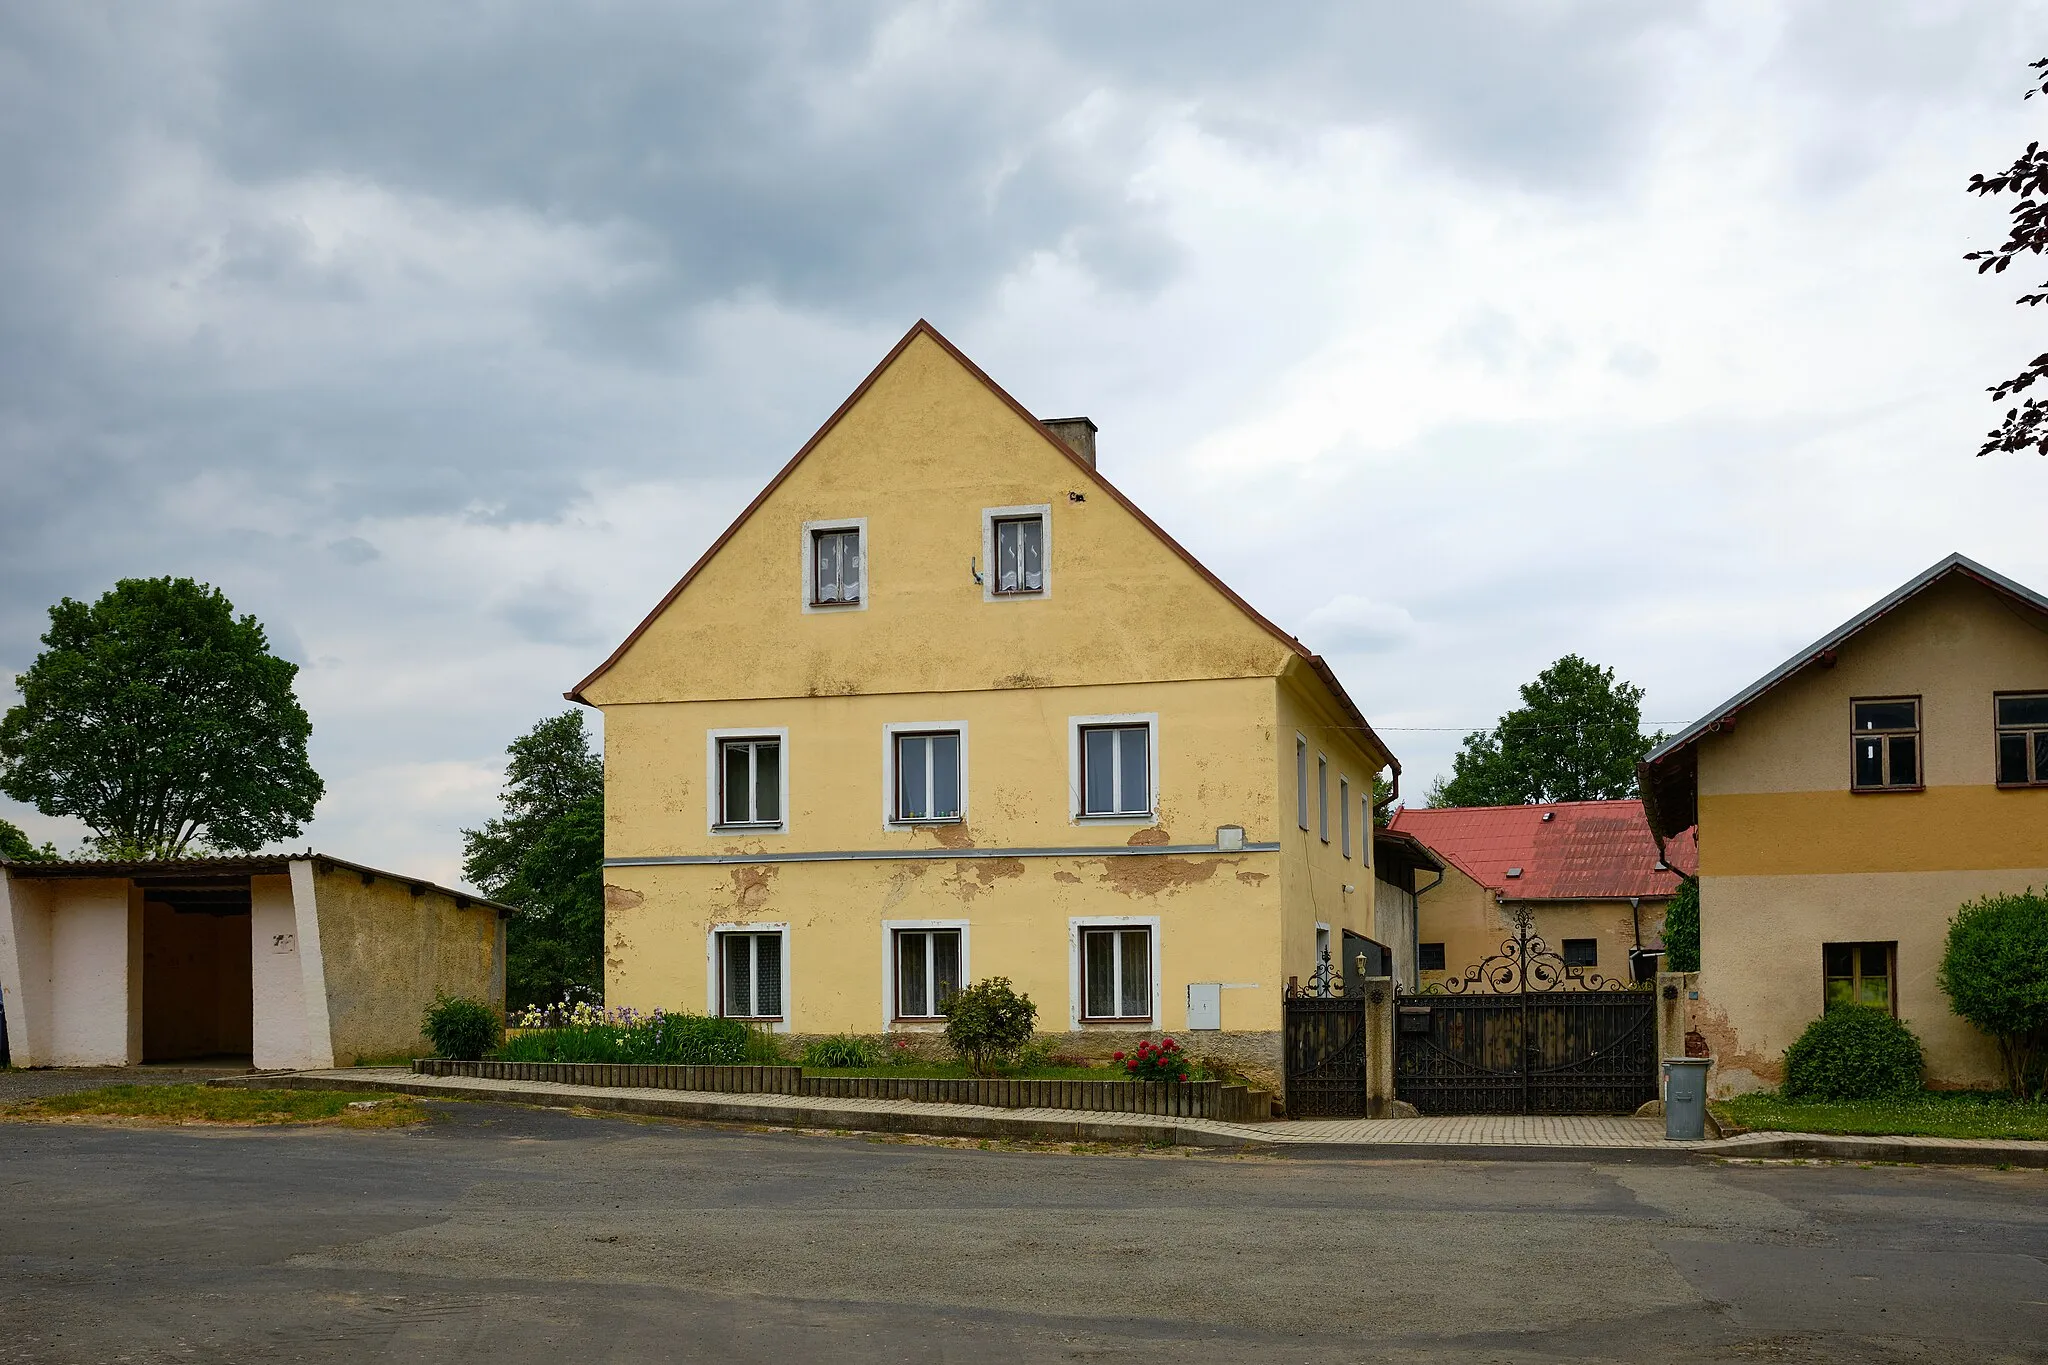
{"points": [[1183, 1077], [1130, 1066], [1167, 1045], [1118, 1056]]}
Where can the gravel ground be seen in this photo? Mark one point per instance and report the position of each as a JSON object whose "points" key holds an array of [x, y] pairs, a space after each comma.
{"points": [[16, 1084], [512, 1235]]}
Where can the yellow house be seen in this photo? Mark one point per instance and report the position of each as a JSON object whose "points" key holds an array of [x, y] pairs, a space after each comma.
{"points": [[1589, 874], [1848, 802], [941, 705]]}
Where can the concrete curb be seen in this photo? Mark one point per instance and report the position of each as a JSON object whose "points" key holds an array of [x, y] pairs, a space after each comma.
{"points": [[789, 1114], [996, 1124]]}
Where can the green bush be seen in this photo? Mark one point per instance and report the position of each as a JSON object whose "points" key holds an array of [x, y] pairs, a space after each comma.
{"points": [[461, 1029], [1995, 973], [988, 1024], [841, 1049], [1682, 929], [1853, 1052], [584, 1033]]}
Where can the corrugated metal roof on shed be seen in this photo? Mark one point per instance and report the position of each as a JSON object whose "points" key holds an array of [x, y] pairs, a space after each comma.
{"points": [[1585, 850]]}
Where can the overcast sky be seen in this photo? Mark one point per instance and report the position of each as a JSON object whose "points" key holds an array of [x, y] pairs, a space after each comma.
{"points": [[1456, 337]]}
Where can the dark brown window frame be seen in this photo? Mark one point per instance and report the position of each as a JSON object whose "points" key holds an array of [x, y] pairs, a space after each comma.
{"points": [[818, 535], [1420, 967], [1151, 986], [754, 742], [995, 536], [896, 969], [1918, 732], [1566, 947], [781, 985], [1856, 947], [1998, 732]]}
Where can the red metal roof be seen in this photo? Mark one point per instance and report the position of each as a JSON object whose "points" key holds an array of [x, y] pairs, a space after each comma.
{"points": [[1585, 850]]}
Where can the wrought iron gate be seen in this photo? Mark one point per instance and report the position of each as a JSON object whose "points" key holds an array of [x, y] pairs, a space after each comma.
{"points": [[1522, 1033], [1325, 1040]]}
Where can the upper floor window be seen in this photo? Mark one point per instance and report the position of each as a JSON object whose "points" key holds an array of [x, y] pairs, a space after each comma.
{"points": [[1323, 798], [1344, 814], [750, 781], [2023, 739], [1301, 781], [1116, 770], [835, 566], [1020, 554], [1886, 743], [928, 776]]}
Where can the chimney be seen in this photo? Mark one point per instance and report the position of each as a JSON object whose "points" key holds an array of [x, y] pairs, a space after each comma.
{"points": [[1077, 432]]}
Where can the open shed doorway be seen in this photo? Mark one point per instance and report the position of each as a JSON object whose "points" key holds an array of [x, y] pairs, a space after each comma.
{"points": [[197, 997]]}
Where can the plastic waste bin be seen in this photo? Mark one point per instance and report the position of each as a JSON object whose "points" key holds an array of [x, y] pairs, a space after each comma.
{"points": [[1685, 1098]]}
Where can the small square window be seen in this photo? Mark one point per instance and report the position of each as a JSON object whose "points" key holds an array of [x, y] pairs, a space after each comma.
{"points": [[1582, 952], [1116, 973], [835, 567], [750, 975], [1116, 770], [2023, 740], [1885, 744], [927, 971], [750, 782], [1019, 561], [1859, 974], [1429, 957]]}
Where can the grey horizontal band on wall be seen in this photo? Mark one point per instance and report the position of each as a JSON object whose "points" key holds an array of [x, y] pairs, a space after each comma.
{"points": [[933, 855]]}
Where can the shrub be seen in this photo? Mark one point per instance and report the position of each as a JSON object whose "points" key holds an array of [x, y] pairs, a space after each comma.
{"points": [[577, 1031], [1995, 973], [1853, 1052], [841, 1049], [1161, 1062], [461, 1029], [988, 1024], [1682, 929]]}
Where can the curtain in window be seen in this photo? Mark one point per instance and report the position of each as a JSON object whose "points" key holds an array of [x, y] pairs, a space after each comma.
{"points": [[1099, 966], [1137, 973], [928, 777], [838, 566], [927, 971], [1134, 772], [1020, 555], [739, 974], [753, 975]]}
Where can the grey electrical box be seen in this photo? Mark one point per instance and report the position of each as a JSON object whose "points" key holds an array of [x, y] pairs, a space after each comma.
{"points": [[1205, 1005], [1685, 1098]]}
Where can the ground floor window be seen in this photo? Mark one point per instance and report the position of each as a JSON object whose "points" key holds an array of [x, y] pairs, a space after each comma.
{"points": [[1116, 973], [750, 975], [927, 971], [1860, 974], [1582, 952], [1429, 957]]}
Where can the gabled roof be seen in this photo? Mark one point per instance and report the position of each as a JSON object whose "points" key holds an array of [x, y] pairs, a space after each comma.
{"points": [[1669, 776], [1315, 662], [1568, 850]]}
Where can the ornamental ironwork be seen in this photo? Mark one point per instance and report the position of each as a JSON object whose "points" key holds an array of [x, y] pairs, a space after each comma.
{"points": [[1526, 964]]}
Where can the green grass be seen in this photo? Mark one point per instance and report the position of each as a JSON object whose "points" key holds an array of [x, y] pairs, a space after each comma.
{"points": [[219, 1104], [1931, 1113]]}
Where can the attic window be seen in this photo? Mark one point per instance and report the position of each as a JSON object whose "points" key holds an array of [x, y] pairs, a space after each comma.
{"points": [[1514, 872], [835, 557]]}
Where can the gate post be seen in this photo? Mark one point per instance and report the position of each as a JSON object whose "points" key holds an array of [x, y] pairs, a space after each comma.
{"points": [[1379, 1047], [1674, 1012]]}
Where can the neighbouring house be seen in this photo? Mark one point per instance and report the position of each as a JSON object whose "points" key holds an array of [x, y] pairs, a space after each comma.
{"points": [[1589, 873], [943, 704], [1847, 802], [288, 961], [1398, 861]]}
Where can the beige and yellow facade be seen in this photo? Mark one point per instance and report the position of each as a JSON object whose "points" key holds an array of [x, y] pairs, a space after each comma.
{"points": [[1832, 854], [1106, 754]]}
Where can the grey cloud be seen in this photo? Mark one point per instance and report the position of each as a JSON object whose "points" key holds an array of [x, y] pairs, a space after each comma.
{"points": [[353, 550]]}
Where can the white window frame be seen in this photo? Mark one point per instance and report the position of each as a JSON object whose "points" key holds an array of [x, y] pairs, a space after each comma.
{"points": [[1075, 977], [714, 986], [1324, 944], [1301, 781], [938, 727], [808, 555], [1344, 814], [1323, 797], [989, 517], [714, 791], [890, 1022], [1075, 793]]}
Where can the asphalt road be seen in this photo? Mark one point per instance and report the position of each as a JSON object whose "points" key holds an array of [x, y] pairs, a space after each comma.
{"points": [[508, 1235]]}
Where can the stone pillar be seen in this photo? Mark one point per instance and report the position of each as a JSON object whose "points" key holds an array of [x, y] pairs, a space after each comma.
{"points": [[1676, 993], [1379, 1047]]}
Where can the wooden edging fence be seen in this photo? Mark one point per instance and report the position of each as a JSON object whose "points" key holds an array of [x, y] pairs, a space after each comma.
{"points": [[1192, 1100]]}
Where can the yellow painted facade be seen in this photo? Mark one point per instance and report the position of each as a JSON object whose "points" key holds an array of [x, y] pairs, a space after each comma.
{"points": [[1127, 628], [1473, 924], [1792, 859]]}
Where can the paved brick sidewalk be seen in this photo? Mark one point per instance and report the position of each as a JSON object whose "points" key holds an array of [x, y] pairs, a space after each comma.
{"points": [[1514, 1137]]}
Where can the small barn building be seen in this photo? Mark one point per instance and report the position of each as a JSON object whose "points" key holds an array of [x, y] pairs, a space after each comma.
{"points": [[289, 961]]}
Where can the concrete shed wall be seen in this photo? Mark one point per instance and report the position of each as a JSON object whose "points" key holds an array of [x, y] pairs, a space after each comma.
{"points": [[387, 952]]}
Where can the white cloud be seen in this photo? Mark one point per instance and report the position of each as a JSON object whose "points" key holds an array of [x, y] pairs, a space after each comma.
{"points": [[1348, 624]]}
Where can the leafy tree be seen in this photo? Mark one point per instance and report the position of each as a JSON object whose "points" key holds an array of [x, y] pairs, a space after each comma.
{"points": [[2026, 426], [1576, 737], [164, 722], [16, 848], [1382, 799], [1682, 928], [1994, 970], [545, 855]]}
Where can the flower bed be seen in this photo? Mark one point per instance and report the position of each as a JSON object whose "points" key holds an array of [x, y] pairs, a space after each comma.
{"points": [[577, 1031]]}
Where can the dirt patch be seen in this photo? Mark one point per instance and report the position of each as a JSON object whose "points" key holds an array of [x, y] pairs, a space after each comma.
{"points": [[1147, 838], [1253, 878], [622, 898], [1150, 876], [1065, 876], [950, 836]]}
